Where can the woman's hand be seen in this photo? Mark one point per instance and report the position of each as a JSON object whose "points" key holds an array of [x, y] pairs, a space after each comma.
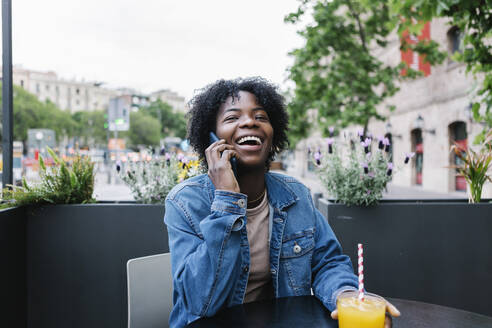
{"points": [[218, 157], [391, 311]]}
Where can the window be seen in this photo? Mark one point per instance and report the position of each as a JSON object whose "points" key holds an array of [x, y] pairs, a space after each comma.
{"points": [[38, 88], [22, 83], [454, 40], [47, 87], [77, 91], [418, 162], [458, 135]]}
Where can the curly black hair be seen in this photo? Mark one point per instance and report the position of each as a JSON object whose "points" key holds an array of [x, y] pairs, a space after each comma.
{"points": [[204, 107]]}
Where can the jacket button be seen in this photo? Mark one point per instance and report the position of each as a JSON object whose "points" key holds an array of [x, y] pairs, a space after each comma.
{"points": [[242, 203], [246, 268], [297, 249], [273, 271]]}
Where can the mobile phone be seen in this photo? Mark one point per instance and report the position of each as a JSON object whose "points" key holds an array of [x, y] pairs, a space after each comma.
{"points": [[214, 138]]}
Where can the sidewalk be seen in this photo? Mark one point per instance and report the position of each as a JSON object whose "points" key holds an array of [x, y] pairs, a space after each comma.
{"points": [[104, 191], [119, 191]]}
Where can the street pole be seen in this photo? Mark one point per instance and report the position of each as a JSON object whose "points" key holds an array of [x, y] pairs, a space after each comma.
{"points": [[7, 121]]}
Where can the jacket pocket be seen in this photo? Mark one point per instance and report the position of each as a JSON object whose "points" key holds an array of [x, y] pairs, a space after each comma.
{"points": [[295, 258]]}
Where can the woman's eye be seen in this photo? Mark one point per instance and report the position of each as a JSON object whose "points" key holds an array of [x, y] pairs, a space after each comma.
{"points": [[262, 117], [230, 118]]}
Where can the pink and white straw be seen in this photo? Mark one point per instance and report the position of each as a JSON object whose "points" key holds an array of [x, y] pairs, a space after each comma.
{"points": [[361, 271]]}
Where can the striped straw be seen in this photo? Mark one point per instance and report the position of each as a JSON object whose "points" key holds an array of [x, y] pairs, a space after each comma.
{"points": [[361, 271]]}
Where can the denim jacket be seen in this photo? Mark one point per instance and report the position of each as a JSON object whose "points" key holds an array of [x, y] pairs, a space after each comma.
{"points": [[210, 251]]}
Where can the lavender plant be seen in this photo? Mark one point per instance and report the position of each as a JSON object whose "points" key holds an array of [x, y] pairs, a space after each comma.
{"points": [[151, 181], [355, 172]]}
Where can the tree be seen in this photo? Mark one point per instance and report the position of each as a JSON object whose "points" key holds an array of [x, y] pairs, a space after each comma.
{"points": [[474, 21], [144, 129], [30, 113], [90, 126], [336, 72], [173, 124]]}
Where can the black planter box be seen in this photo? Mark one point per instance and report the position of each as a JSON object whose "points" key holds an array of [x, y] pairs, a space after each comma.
{"points": [[13, 272], [432, 251], [74, 260]]}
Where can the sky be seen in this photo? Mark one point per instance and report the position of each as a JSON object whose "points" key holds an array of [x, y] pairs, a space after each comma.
{"points": [[148, 45]]}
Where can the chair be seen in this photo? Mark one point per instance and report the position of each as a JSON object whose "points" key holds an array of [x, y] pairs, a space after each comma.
{"points": [[150, 290]]}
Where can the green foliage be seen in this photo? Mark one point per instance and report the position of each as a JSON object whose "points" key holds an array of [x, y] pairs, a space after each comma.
{"points": [[144, 129], [343, 174], [474, 21], [30, 113], [335, 72], [172, 123], [147, 126], [60, 184], [90, 127], [153, 122], [475, 166]]}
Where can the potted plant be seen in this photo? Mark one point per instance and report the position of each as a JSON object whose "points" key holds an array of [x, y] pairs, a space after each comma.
{"points": [[67, 253], [475, 166], [60, 184], [408, 244]]}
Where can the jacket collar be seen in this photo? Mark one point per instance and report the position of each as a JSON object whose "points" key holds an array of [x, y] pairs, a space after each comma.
{"points": [[280, 195]]}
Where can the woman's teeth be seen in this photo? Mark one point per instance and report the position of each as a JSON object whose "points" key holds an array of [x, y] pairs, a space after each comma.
{"points": [[250, 138]]}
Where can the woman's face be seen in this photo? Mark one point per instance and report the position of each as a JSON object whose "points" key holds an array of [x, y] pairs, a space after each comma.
{"points": [[245, 125]]}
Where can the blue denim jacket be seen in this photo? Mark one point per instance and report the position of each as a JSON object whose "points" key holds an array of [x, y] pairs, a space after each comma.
{"points": [[210, 251]]}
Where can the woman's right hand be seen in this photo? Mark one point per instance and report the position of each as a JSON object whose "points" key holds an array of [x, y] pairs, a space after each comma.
{"points": [[218, 156]]}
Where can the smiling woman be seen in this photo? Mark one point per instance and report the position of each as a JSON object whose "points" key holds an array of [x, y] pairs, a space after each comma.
{"points": [[251, 236]]}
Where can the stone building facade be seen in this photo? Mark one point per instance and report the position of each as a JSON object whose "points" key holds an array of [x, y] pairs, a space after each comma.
{"points": [[70, 95], [432, 112], [74, 96], [176, 101]]}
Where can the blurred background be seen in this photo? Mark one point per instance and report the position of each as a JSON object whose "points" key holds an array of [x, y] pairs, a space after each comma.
{"points": [[111, 80]]}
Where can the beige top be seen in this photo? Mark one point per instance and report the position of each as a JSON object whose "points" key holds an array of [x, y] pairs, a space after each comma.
{"points": [[259, 281]]}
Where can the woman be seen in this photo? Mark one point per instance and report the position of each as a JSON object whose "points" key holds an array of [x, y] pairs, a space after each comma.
{"points": [[254, 235]]}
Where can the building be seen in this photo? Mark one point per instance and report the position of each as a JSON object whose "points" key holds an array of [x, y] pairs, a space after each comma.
{"points": [[74, 96], [176, 101], [70, 95], [133, 98], [432, 112]]}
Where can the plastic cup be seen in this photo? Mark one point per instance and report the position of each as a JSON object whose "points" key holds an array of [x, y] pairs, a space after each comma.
{"points": [[355, 313]]}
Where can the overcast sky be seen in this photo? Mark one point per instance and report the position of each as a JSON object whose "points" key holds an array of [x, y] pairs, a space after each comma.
{"points": [[153, 44]]}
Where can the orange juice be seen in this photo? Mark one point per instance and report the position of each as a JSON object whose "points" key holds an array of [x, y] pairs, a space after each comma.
{"points": [[354, 313]]}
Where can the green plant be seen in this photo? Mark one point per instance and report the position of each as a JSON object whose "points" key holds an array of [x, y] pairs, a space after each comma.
{"points": [[60, 184], [151, 181], [336, 72], [475, 166], [357, 171]]}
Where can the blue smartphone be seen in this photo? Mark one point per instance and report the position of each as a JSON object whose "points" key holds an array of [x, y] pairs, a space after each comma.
{"points": [[214, 138]]}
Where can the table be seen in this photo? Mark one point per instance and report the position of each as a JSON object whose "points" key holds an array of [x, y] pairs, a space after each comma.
{"points": [[307, 311]]}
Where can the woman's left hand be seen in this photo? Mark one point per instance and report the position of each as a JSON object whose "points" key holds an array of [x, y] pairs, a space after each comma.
{"points": [[390, 308]]}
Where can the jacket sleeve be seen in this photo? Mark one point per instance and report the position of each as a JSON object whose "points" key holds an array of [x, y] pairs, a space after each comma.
{"points": [[206, 261], [332, 271]]}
